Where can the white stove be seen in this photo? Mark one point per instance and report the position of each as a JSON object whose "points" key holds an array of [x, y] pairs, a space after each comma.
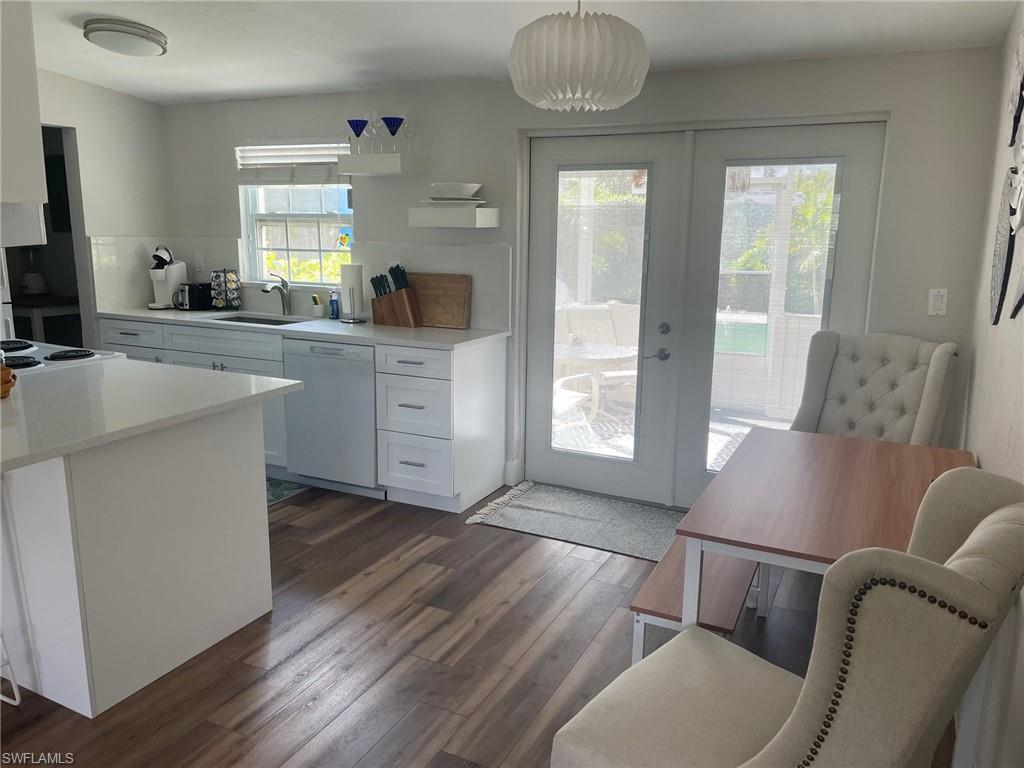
{"points": [[29, 357]]}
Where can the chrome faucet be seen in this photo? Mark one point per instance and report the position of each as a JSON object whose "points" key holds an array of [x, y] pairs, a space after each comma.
{"points": [[284, 288]]}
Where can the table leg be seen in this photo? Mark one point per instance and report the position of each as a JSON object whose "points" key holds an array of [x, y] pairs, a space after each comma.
{"points": [[639, 635], [38, 327], [764, 571], [691, 581]]}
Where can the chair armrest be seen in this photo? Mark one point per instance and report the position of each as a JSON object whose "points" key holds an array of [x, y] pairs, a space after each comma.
{"points": [[897, 641]]}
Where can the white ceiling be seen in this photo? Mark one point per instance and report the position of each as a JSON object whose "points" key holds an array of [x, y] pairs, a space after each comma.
{"points": [[225, 50]]}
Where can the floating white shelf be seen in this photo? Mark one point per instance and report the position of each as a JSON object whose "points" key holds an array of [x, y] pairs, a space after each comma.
{"points": [[386, 164], [463, 218]]}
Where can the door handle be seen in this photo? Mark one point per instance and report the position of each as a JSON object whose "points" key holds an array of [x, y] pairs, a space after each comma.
{"points": [[419, 464], [409, 362], [127, 333], [414, 406], [662, 354]]}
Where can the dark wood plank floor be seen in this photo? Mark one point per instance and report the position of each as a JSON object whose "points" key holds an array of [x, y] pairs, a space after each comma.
{"points": [[399, 636]]}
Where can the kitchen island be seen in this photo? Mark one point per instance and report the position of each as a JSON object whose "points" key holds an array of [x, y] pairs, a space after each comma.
{"points": [[134, 523]]}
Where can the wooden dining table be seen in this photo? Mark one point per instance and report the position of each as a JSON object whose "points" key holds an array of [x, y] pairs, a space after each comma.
{"points": [[802, 500]]}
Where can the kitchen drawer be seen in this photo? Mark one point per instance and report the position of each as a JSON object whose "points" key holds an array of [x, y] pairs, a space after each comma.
{"points": [[415, 463], [130, 332], [275, 447], [149, 354], [412, 361], [414, 405], [214, 341]]}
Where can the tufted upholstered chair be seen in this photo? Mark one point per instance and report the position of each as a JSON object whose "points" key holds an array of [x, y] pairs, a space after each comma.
{"points": [[880, 386], [898, 638]]}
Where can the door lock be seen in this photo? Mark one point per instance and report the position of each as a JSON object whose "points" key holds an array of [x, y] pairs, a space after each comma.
{"points": [[664, 329]]}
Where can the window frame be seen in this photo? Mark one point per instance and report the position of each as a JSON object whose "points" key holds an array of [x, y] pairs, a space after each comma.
{"points": [[252, 255]]}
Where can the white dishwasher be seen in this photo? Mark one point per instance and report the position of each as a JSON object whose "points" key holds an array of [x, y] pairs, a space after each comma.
{"points": [[332, 421]]}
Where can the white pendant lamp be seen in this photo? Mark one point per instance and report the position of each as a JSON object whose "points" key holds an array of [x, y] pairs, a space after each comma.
{"points": [[578, 61]]}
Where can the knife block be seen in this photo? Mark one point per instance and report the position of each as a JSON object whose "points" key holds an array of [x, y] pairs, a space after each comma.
{"points": [[399, 308]]}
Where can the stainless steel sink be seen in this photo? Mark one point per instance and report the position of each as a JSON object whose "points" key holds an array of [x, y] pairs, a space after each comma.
{"points": [[254, 320]]}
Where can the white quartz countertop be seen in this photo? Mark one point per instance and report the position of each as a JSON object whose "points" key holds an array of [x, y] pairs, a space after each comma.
{"points": [[318, 330], [80, 407]]}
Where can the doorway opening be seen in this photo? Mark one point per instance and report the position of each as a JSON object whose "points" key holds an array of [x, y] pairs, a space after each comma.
{"points": [[44, 278]]}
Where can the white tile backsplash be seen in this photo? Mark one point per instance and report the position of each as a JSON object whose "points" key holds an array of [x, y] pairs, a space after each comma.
{"points": [[121, 270]]}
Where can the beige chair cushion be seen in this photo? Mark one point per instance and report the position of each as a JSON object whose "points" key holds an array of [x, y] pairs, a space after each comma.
{"points": [[880, 386], [697, 701]]}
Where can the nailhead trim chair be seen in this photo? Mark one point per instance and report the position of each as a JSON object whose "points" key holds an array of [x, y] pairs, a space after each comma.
{"points": [[880, 386], [898, 638]]}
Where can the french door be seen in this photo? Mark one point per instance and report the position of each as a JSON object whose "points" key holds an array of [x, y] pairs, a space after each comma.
{"points": [[675, 281], [607, 219]]}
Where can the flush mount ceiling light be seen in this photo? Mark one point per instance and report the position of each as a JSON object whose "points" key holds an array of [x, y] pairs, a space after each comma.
{"points": [[127, 37], [578, 61]]}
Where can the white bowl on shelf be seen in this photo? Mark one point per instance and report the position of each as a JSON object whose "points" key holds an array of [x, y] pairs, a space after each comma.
{"points": [[453, 189]]}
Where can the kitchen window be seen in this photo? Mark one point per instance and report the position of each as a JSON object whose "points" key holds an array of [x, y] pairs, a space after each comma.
{"points": [[296, 212]]}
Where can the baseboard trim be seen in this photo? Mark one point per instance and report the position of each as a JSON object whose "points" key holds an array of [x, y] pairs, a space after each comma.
{"points": [[280, 473]]}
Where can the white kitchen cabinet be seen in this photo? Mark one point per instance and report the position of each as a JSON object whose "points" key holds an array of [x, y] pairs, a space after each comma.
{"points": [[441, 423], [274, 438], [416, 463], [130, 333], [426, 424], [215, 341], [414, 405], [22, 171], [413, 361], [146, 354]]}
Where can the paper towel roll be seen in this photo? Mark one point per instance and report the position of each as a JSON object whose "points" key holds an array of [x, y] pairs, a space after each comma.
{"points": [[352, 277]]}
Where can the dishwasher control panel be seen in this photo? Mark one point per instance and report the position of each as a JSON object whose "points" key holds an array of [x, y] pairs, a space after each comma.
{"points": [[355, 352]]}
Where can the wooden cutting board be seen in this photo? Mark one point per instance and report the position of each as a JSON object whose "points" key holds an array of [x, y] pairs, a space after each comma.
{"points": [[443, 298]]}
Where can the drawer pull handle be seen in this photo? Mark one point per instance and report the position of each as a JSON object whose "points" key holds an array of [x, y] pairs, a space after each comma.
{"points": [[419, 464], [409, 362], [326, 351], [128, 333], [414, 406]]}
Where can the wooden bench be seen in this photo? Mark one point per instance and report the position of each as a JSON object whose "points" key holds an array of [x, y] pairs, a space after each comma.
{"points": [[724, 582]]}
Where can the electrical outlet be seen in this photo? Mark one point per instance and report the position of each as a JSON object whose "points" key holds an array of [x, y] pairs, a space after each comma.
{"points": [[937, 300], [199, 265]]}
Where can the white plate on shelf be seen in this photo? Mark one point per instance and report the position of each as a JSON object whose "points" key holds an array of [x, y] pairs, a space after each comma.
{"points": [[453, 189], [451, 203]]}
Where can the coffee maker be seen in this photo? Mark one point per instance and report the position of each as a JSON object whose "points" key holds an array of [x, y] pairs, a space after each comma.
{"points": [[167, 276]]}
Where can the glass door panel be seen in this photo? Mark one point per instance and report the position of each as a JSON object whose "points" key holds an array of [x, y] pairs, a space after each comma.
{"points": [[768, 264], [779, 224], [607, 215], [599, 270]]}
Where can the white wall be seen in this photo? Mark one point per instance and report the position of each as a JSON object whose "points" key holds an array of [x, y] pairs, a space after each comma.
{"points": [[119, 150], [121, 154], [935, 181], [995, 418]]}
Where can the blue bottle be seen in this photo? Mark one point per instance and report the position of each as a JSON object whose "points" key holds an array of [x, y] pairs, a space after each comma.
{"points": [[333, 308]]}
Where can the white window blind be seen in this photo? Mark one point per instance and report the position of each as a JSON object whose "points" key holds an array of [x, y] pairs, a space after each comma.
{"points": [[294, 162]]}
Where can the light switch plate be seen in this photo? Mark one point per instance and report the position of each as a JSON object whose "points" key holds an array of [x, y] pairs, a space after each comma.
{"points": [[937, 300]]}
